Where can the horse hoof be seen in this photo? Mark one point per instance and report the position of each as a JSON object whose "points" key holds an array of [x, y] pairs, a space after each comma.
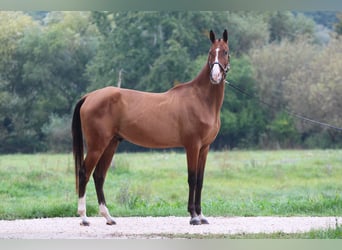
{"points": [[112, 222], [85, 223], [195, 221], [204, 221]]}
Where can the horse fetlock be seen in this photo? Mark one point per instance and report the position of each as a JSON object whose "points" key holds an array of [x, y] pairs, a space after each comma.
{"points": [[105, 213], [198, 220]]}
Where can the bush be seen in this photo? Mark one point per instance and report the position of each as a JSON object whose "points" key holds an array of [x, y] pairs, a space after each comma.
{"points": [[283, 131], [58, 134]]}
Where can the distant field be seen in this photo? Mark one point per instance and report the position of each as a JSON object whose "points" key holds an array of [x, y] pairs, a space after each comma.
{"points": [[237, 183]]}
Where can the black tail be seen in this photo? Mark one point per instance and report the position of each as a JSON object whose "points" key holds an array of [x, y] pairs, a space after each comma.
{"points": [[77, 140]]}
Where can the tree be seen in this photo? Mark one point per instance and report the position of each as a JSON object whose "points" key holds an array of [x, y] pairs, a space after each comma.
{"points": [[242, 117], [130, 47], [140, 44], [48, 60], [316, 90], [14, 125], [274, 64], [246, 30], [286, 25], [46, 77], [338, 25], [55, 59], [171, 68]]}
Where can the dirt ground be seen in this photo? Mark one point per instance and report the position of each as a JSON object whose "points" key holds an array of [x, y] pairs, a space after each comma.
{"points": [[156, 227]]}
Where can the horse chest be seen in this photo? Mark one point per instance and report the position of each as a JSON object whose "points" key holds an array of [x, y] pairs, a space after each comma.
{"points": [[206, 126], [211, 131]]}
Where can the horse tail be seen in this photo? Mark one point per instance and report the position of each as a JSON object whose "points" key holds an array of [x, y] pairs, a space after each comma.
{"points": [[77, 140]]}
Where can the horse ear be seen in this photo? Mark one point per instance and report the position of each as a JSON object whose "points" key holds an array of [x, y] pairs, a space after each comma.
{"points": [[225, 35], [212, 36]]}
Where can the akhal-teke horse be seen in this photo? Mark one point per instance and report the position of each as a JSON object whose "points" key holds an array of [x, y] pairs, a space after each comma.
{"points": [[187, 115]]}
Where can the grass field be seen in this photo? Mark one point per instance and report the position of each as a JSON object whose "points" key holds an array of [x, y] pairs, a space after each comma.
{"points": [[237, 183]]}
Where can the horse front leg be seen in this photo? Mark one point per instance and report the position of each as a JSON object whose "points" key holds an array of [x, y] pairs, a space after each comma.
{"points": [[192, 160], [200, 177]]}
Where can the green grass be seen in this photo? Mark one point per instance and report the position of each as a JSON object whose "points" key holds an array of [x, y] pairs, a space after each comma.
{"points": [[331, 233], [237, 183]]}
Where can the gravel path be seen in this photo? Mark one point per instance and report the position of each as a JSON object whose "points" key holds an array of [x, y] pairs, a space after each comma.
{"points": [[156, 227]]}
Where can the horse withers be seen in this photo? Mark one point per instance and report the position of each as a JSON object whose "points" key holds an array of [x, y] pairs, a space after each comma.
{"points": [[187, 115]]}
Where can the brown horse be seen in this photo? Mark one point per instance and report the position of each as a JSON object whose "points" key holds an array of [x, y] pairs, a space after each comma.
{"points": [[187, 115]]}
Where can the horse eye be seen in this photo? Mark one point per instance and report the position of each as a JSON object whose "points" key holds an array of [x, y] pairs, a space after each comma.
{"points": [[225, 52]]}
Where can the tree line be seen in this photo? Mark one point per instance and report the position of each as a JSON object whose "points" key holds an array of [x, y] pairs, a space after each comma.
{"points": [[48, 60]]}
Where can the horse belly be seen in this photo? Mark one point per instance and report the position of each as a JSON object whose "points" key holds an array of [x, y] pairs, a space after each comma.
{"points": [[149, 119], [151, 132]]}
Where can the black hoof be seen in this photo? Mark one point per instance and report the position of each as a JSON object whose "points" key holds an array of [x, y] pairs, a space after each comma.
{"points": [[85, 223], [195, 221], [204, 221], [110, 223]]}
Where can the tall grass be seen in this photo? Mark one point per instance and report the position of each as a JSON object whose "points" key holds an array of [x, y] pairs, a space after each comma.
{"points": [[237, 183]]}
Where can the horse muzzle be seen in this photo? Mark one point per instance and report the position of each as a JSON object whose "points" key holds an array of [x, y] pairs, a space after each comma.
{"points": [[218, 72]]}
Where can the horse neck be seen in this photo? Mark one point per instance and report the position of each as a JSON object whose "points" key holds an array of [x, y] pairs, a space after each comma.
{"points": [[212, 94]]}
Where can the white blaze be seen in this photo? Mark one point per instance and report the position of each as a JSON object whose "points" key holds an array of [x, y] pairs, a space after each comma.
{"points": [[216, 71], [216, 57]]}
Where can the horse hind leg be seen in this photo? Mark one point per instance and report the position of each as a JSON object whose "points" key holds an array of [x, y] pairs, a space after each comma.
{"points": [[84, 175], [99, 176]]}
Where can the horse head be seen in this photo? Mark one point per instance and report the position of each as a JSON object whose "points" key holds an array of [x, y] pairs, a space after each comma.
{"points": [[219, 58]]}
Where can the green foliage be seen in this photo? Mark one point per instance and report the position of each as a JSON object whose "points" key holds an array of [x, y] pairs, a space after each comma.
{"points": [[338, 25], [160, 52], [151, 49], [171, 68], [285, 25], [274, 64], [325, 18], [57, 133], [316, 90], [242, 118], [46, 76], [283, 131], [246, 30], [321, 139], [48, 60]]}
